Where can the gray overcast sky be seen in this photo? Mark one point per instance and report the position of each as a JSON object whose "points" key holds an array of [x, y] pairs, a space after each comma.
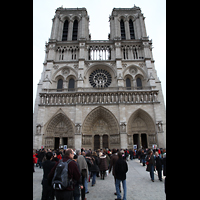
{"points": [[99, 11]]}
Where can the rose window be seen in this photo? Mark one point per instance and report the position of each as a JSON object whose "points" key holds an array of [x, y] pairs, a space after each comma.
{"points": [[100, 78]]}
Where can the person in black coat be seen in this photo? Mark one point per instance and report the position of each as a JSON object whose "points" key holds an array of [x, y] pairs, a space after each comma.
{"points": [[159, 163], [121, 169], [47, 190], [41, 155], [142, 156], [151, 164], [131, 154], [94, 168]]}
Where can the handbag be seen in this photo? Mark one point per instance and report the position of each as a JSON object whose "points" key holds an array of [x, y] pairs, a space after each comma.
{"points": [[147, 162]]}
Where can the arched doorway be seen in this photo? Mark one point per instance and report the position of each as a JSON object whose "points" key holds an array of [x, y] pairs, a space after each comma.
{"points": [[142, 128], [102, 126], [96, 142], [105, 142], [59, 132]]}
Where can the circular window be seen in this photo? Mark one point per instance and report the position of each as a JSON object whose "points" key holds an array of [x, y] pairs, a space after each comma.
{"points": [[100, 78]]}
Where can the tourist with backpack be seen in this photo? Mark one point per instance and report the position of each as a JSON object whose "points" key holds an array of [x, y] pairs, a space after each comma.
{"points": [[63, 176], [47, 190]]}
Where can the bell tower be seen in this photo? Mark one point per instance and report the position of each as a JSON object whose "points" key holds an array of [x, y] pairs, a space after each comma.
{"points": [[127, 23], [70, 24]]}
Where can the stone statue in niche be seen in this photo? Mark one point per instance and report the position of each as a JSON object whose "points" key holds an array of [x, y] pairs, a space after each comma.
{"points": [[159, 125], [38, 129], [78, 128], [123, 127]]}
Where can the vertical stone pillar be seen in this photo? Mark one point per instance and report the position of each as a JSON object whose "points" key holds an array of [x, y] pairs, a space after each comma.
{"points": [[78, 136], [123, 135], [101, 141], [61, 141], [70, 30], [127, 31], [123, 138], [139, 141]]}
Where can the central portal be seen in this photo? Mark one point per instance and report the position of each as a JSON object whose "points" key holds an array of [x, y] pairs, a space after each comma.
{"points": [[96, 142], [105, 142], [100, 130], [101, 142]]}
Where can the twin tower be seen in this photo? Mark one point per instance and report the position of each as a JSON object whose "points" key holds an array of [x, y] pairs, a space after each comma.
{"points": [[99, 94], [71, 24]]}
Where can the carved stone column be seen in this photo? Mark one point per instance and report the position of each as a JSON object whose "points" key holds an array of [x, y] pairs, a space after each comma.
{"points": [[78, 136], [123, 135], [101, 141]]}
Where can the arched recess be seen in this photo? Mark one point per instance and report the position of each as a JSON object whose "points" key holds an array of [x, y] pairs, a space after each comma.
{"points": [[134, 70], [106, 67], [59, 126], [66, 71], [141, 123], [99, 122], [100, 113]]}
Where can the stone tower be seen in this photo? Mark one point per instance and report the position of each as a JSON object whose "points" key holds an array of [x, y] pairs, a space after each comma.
{"points": [[99, 93]]}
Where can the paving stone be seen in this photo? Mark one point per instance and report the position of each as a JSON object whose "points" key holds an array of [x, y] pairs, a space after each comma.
{"points": [[138, 182]]}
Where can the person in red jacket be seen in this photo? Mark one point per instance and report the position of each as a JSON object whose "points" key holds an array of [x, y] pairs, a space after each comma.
{"points": [[159, 151], [59, 156], [34, 161], [73, 173]]}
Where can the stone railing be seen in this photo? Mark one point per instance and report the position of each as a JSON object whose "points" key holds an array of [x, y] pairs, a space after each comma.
{"points": [[101, 97]]}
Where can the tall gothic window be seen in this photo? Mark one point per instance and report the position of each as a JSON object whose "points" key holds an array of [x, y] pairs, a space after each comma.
{"points": [[71, 85], [65, 31], [75, 30], [123, 35], [128, 83], [131, 29], [60, 85], [139, 83]]}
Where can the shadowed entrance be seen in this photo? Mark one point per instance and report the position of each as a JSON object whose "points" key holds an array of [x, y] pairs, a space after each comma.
{"points": [[59, 132], [141, 129], [100, 130]]}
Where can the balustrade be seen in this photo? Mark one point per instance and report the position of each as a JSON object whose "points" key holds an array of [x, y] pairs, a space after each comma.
{"points": [[99, 52], [131, 52], [98, 98]]}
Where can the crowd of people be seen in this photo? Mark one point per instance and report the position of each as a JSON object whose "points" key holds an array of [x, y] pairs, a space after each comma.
{"points": [[87, 164]]}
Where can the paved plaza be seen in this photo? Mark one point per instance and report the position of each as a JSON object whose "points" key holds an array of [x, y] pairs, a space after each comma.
{"points": [[139, 185]]}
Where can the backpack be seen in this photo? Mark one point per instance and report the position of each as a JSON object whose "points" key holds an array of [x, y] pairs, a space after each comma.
{"points": [[60, 180]]}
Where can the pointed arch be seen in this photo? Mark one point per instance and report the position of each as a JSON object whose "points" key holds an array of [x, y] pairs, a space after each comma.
{"points": [[131, 28], [75, 30], [58, 118], [71, 70], [140, 120], [60, 85], [139, 70], [100, 113], [122, 28], [65, 30], [105, 66]]}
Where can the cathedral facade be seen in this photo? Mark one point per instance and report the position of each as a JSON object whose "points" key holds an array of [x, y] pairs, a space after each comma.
{"points": [[99, 93]]}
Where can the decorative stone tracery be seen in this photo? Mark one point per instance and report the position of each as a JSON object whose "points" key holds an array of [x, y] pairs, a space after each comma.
{"points": [[139, 123], [59, 126], [100, 121]]}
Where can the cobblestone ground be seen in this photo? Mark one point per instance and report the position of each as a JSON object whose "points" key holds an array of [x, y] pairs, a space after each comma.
{"points": [[139, 185]]}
